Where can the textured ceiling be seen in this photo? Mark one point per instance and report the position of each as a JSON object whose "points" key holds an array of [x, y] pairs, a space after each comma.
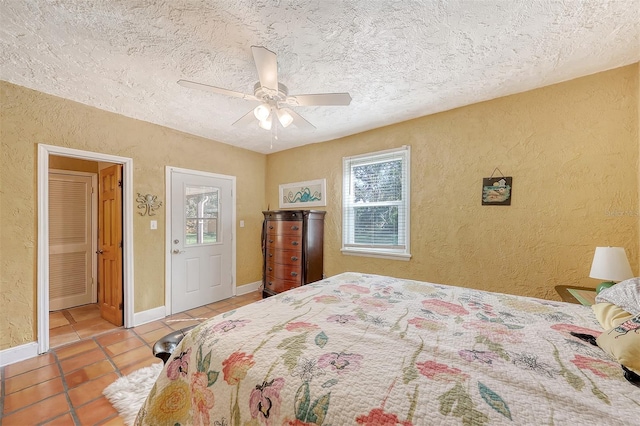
{"points": [[398, 59]]}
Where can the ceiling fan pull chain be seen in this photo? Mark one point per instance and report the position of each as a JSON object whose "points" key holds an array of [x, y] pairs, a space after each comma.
{"points": [[274, 132]]}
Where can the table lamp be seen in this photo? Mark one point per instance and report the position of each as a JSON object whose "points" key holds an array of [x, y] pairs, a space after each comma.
{"points": [[610, 264]]}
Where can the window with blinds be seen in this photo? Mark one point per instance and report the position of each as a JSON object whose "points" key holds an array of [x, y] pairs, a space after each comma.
{"points": [[376, 204]]}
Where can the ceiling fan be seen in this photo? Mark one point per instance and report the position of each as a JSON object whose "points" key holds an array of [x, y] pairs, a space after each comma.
{"points": [[274, 98]]}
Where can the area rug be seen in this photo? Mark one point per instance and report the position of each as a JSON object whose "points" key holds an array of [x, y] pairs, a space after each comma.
{"points": [[128, 393]]}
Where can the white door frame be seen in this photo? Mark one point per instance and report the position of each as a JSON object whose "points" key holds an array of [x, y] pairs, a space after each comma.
{"points": [[167, 232], [44, 151]]}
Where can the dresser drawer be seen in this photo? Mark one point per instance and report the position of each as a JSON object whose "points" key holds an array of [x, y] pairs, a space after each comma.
{"points": [[284, 242], [279, 285], [272, 285], [284, 257], [280, 227], [285, 272]]}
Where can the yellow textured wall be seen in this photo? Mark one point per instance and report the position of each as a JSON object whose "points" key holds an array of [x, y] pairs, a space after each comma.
{"points": [[28, 117], [572, 150]]}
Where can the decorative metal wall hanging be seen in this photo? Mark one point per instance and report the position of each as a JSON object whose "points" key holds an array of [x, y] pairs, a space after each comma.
{"points": [[149, 203], [496, 191]]}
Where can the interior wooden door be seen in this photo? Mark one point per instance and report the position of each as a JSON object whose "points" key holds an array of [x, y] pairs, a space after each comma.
{"points": [[110, 291]]}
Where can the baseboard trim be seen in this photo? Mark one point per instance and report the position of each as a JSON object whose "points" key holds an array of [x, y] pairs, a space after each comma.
{"points": [[18, 353], [248, 288], [150, 315], [160, 312]]}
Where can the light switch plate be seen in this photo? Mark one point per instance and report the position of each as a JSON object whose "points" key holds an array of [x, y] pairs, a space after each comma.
{"points": [[154, 224]]}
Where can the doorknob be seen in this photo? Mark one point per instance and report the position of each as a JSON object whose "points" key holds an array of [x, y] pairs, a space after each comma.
{"points": [[176, 251], [100, 251]]}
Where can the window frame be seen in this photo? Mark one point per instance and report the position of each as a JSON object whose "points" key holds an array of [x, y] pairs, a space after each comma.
{"points": [[401, 251]]}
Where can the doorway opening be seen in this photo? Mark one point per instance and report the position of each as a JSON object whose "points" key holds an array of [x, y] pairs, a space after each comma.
{"points": [[76, 250], [44, 270]]}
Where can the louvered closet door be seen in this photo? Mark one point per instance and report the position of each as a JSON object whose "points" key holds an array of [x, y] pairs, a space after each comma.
{"points": [[70, 251]]}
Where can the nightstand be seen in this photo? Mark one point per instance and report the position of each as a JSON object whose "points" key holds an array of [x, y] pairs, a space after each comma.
{"points": [[572, 294]]}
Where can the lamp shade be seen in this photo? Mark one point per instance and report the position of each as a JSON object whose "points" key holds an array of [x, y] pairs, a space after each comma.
{"points": [[266, 123], [284, 116], [262, 112], [611, 264]]}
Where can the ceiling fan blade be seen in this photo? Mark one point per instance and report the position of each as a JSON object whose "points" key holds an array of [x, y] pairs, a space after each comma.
{"points": [[218, 90], [267, 66], [322, 99], [248, 118], [299, 121]]}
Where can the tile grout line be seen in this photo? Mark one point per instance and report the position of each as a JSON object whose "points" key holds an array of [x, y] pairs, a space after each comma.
{"points": [[65, 390], [117, 370], [72, 409]]}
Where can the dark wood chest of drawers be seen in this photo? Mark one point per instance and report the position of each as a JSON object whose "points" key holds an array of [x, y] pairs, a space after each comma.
{"points": [[292, 243]]}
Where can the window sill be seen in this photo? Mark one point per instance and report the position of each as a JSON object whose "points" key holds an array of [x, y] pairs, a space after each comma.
{"points": [[377, 253]]}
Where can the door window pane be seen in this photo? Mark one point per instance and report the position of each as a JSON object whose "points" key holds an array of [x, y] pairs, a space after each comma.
{"points": [[201, 215]]}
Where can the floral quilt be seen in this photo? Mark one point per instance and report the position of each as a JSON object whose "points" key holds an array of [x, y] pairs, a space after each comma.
{"points": [[359, 349]]}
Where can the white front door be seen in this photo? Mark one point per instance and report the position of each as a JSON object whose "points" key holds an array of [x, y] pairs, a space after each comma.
{"points": [[201, 239]]}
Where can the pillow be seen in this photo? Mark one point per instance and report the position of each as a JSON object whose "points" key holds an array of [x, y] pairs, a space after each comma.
{"points": [[610, 315], [623, 343], [625, 294]]}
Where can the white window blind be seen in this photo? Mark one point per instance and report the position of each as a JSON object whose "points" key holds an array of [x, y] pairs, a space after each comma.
{"points": [[376, 203]]}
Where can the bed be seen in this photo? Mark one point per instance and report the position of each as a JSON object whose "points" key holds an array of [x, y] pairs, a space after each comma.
{"points": [[375, 350]]}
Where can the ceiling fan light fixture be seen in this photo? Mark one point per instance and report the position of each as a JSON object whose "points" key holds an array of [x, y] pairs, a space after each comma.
{"points": [[265, 124], [262, 112], [272, 95], [284, 117]]}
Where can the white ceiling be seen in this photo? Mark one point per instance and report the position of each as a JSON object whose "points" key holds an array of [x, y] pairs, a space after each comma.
{"points": [[398, 59]]}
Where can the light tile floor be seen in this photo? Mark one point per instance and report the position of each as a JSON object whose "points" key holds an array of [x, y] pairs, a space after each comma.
{"points": [[74, 324], [64, 386]]}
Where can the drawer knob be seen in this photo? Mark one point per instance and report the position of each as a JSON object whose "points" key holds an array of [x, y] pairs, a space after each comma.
{"points": [[294, 274], [270, 226], [294, 258], [295, 243], [270, 269], [270, 241], [295, 228], [270, 254], [270, 284]]}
